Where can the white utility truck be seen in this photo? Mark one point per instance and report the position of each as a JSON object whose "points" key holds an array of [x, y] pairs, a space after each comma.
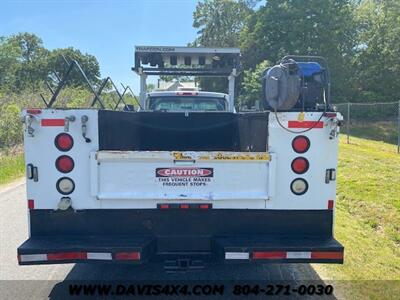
{"points": [[186, 180]]}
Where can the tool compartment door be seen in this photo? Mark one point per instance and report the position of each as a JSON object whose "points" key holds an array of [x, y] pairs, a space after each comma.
{"points": [[170, 176]]}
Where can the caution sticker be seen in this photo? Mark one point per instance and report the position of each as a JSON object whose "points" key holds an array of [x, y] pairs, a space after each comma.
{"points": [[184, 177]]}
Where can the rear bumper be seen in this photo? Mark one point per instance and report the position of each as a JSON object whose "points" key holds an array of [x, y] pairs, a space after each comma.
{"points": [[95, 249], [140, 236]]}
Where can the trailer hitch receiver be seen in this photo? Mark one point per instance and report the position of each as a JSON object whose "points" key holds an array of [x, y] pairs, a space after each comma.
{"points": [[183, 265]]}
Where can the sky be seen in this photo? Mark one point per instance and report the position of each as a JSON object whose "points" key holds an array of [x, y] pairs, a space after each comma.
{"points": [[106, 29]]}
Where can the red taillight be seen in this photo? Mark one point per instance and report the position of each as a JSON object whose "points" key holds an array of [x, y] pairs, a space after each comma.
{"points": [[64, 142], [300, 165], [64, 164], [301, 144]]}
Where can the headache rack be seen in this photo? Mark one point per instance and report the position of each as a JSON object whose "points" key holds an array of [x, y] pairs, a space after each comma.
{"points": [[187, 61]]}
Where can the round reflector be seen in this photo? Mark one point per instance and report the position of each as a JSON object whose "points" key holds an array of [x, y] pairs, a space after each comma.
{"points": [[64, 142], [301, 144], [300, 165], [299, 186], [64, 164], [65, 185]]}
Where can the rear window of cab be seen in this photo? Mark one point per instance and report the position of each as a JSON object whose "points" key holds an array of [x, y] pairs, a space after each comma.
{"points": [[186, 103]]}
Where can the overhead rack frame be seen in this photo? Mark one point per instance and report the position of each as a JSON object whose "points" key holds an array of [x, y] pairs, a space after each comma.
{"points": [[187, 61]]}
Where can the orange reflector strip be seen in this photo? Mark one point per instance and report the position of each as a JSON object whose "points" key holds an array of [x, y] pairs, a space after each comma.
{"points": [[204, 206], [184, 206], [330, 204], [164, 206], [31, 203], [297, 255], [269, 255], [33, 111], [330, 115], [127, 256], [66, 256], [306, 124], [327, 255], [52, 122]]}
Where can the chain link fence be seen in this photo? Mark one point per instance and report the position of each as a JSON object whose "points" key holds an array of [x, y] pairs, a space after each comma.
{"points": [[376, 120]]}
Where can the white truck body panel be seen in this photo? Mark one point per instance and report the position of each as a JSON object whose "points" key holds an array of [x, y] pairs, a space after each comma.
{"points": [[41, 152], [137, 182], [322, 155], [126, 179]]}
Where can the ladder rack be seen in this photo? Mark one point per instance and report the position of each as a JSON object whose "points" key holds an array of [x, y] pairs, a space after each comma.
{"points": [[187, 61]]}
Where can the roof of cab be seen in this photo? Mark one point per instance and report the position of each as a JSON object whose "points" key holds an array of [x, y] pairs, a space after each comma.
{"points": [[197, 93]]}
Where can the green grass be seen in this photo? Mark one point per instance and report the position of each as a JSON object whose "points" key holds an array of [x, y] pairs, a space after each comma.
{"points": [[367, 217], [11, 167]]}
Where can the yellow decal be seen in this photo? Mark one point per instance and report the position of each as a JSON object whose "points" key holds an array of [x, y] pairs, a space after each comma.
{"points": [[300, 117], [224, 156], [204, 157], [180, 156], [244, 156]]}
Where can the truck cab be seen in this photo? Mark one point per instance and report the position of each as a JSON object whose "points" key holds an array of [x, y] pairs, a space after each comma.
{"points": [[186, 101]]}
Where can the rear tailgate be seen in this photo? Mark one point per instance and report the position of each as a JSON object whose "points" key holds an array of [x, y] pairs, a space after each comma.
{"points": [[143, 179]]}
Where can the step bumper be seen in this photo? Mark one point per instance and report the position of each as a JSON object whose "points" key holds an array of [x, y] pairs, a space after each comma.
{"points": [[139, 250]]}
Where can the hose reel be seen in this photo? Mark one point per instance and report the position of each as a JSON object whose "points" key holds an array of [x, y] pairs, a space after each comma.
{"points": [[282, 85], [297, 83]]}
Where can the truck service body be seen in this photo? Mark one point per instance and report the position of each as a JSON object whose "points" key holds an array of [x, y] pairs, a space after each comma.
{"points": [[182, 188]]}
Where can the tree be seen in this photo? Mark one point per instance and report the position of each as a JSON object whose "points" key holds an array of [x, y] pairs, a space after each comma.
{"points": [[150, 87], [377, 60], [26, 64], [10, 126], [32, 63], [314, 27], [9, 64], [252, 86], [88, 63], [219, 23], [169, 78]]}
